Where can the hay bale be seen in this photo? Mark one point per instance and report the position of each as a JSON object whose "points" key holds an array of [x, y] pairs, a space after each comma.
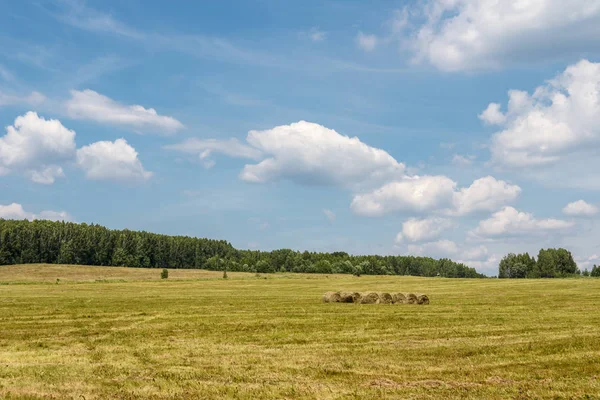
{"points": [[332, 297], [399, 298], [369, 298], [385, 298], [350, 297], [411, 298], [422, 299]]}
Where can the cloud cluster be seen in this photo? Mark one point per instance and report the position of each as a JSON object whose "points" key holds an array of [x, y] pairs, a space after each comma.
{"points": [[435, 194], [305, 153], [16, 211], [580, 208], [37, 148], [559, 119], [414, 194], [511, 222], [487, 34], [116, 161], [418, 230]]}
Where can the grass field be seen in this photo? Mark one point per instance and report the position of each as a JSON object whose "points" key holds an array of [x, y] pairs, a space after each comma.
{"points": [[115, 333]]}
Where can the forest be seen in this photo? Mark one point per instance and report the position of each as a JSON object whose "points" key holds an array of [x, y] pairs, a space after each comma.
{"points": [[40, 241]]}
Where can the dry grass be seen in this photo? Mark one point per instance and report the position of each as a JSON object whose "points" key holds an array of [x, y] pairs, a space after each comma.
{"points": [[249, 338]]}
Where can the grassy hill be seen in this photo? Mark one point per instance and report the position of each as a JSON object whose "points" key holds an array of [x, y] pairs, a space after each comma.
{"points": [[124, 333]]}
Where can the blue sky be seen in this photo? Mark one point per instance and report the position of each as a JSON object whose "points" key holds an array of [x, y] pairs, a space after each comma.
{"points": [[462, 129]]}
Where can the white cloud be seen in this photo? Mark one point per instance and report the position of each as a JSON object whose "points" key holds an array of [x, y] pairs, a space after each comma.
{"points": [[492, 115], [46, 176], [16, 211], [90, 105], [478, 253], [435, 193], [482, 34], [462, 161], [329, 214], [511, 222], [580, 208], [484, 194], [35, 146], [587, 262], [560, 119], [33, 99], [205, 147], [488, 266], [309, 153], [418, 230], [366, 42], [439, 249], [116, 161], [305, 153], [418, 194]]}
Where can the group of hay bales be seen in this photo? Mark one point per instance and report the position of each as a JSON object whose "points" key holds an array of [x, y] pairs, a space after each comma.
{"points": [[375, 298]]}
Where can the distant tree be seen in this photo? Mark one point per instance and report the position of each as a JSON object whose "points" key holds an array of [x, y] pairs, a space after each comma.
{"points": [[595, 271], [65, 242], [164, 274], [585, 272]]}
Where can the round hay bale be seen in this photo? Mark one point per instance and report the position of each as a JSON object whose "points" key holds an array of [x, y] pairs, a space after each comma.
{"points": [[385, 298], [422, 299], [399, 298], [411, 298], [349, 297], [332, 297], [369, 298]]}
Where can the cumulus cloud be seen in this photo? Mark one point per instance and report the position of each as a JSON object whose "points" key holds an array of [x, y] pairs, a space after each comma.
{"points": [[588, 262], [366, 42], [439, 249], [561, 118], [492, 115], [90, 105], [116, 161], [16, 211], [304, 153], [484, 194], [483, 34], [511, 222], [435, 193], [418, 230], [310, 153], [417, 193], [580, 208], [488, 266], [35, 147], [479, 253], [474, 257]]}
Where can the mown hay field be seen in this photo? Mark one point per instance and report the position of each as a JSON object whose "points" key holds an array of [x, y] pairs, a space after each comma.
{"points": [[105, 333]]}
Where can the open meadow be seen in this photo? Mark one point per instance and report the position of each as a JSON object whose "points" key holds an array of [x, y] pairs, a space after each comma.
{"points": [[117, 333]]}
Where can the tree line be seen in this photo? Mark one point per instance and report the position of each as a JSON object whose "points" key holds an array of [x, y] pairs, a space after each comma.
{"points": [[550, 263], [39, 241]]}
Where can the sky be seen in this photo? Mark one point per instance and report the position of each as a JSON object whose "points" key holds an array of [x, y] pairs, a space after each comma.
{"points": [[465, 129]]}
